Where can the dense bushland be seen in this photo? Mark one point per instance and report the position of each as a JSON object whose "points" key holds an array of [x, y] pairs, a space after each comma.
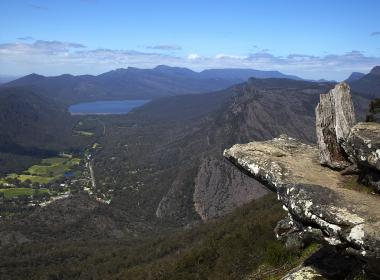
{"points": [[225, 248]]}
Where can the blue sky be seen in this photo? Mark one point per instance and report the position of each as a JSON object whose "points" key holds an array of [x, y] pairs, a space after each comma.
{"points": [[310, 39]]}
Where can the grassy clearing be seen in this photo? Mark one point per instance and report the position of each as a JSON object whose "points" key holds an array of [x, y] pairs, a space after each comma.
{"points": [[39, 179], [51, 168], [16, 192], [85, 133], [81, 132], [353, 184]]}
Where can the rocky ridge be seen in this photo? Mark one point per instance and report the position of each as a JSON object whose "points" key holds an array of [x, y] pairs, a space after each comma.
{"points": [[319, 208]]}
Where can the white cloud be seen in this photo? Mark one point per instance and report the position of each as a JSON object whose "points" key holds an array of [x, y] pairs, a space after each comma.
{"points": [[192, 56], [55, 58], [166, 47], [57, 44], [227, 56]]}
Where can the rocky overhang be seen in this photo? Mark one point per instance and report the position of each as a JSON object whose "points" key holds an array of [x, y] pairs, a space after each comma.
{"points": [[319, 207]]}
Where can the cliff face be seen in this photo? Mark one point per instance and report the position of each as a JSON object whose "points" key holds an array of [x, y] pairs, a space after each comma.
{"points": [[220, 187], [257, 111], [319, 208], [250, 113]]}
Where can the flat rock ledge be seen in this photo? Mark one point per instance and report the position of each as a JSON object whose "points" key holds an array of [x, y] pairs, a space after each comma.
{"points": [[318, 207]]}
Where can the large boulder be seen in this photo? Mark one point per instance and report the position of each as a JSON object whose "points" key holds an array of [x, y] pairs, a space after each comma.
{"points": [[334, 118], [363, 144]]}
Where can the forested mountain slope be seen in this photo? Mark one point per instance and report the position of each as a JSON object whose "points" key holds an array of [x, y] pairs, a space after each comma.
{"points": [[163, 162], [181, 139], [32, 127]]}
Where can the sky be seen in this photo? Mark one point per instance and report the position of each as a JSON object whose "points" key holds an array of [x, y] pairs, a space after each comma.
{"points": [[310, 39]]}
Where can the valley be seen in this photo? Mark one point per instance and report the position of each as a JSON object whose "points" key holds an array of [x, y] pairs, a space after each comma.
{"points": [[166, 204]]}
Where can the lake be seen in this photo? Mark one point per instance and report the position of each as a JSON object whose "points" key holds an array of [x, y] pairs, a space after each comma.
{"points": [[106, 107]]}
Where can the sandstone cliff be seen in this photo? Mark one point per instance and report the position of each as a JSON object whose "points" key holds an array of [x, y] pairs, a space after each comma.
{"points": [[220, 188], [259, 110]]}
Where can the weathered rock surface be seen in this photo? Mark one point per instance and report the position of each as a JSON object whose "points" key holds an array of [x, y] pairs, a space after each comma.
{"points": [[335, 116], [220, 187], [363, 144], [318, 206]]}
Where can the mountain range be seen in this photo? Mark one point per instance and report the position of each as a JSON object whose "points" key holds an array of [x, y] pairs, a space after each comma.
{"points": [[368, 83], [134, 83], [162, 160]]}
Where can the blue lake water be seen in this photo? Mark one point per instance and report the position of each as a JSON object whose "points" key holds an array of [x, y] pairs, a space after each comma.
{"points": [[107, 107]]}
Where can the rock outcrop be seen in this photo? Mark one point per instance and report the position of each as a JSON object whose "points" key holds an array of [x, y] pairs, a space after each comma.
{"points": [[363, 144], [334, 118], [319, 208]]}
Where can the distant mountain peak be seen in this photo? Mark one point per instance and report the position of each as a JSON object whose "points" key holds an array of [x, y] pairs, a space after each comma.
{"points": [[354, 76], [29, 79], [375, 70]]}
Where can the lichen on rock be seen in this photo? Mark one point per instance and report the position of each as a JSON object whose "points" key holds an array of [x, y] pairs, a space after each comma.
{"points": [[319, 208], [334, 118], [363, 144]]}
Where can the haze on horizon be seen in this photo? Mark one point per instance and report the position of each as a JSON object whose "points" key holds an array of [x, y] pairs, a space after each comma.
{"points": [[328, 39]]}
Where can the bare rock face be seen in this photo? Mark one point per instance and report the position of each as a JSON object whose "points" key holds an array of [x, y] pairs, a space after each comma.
{"points": [[319, 208], [363, 144], [334, 118], [220, 187]]}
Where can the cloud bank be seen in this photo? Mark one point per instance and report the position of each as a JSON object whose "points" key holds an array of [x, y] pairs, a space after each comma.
{"points": [[54, 58]]}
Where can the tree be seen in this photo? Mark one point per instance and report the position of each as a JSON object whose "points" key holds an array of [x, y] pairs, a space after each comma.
{"points": [[374, 109]]}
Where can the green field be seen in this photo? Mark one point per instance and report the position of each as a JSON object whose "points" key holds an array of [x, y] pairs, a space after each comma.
{"points": [[15, 192], [51, 168], [84, 133]]}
